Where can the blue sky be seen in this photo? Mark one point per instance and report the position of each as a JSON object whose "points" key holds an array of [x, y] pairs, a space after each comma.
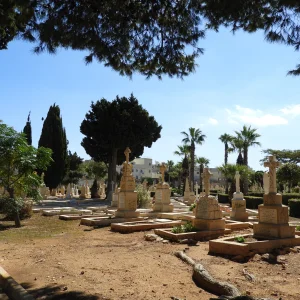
{"points": [[241, 79]]}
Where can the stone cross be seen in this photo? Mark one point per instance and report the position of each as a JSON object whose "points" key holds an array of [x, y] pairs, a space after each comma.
{"points": [[127, 152], [162, 170], [266, 181], [272, 164], [206, 177], [237, 181], [196, 189]]}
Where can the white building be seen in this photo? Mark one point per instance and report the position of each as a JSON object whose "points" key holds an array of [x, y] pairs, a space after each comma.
{"points": [[142, 167]]}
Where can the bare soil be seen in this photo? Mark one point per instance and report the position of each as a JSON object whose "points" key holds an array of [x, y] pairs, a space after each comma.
{"points": [[56, 259]]}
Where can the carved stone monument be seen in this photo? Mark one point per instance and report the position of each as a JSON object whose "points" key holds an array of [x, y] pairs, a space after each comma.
{"points": [[266, 181], [162, 194], [238, 212], [272, 215], [208, 215], [127, 200], [115, 198]]}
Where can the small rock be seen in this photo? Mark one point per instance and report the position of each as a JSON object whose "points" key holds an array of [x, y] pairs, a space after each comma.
{"points": [[269, 257], [293, 250], [35, 278], [164, 284], [165, 241], [82, 272], [274, 294], [256, 257], [65, 288], [151, 237], [248, 293]]}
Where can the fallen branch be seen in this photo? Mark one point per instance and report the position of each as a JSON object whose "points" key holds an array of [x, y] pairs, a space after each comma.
{"points": [[205, 281]]}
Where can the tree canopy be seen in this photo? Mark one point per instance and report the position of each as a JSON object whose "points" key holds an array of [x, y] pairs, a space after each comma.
{"points": [[285, 155], [150, 37], [28, 131], [73, 172], [110, 127], [53, 136], [18, 163]]}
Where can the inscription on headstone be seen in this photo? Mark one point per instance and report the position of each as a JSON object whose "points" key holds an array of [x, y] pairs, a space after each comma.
{"points": [[158, 194], [268, 216]]}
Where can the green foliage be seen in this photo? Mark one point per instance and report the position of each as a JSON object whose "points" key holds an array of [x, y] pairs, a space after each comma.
{"points": [[142, 197], [294, 205], [95, 189], [92, 169], [239, 239], [192, 207], [53, 136], [253, 202], [223, 198], [226, 139], [150, 180], [284, 156], [188, 227], [286, 197], [74, 171], [27, 130], [289, 174], [298, 228], [11, 206]]}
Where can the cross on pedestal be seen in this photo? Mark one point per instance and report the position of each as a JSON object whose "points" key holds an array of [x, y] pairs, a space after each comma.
{"points": [[162, 170], [272, 164], [206, 177], [237, 181], [127, 152]]}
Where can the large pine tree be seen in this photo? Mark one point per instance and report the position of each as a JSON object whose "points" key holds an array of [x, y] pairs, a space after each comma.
{"points": [[53, 136], [27, 131]]}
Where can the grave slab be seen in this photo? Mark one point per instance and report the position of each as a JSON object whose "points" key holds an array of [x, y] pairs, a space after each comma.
{"points": [[128, 227], [106, 221]]}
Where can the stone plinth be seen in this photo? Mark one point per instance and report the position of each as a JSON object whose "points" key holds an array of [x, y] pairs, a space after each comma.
{"points": [[127, 205], [238, 212], [208, 215], [273, 218], [115, 199], [162, 198]]}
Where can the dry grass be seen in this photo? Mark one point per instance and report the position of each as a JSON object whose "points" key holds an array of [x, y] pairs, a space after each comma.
{"points": [[37, 227]]}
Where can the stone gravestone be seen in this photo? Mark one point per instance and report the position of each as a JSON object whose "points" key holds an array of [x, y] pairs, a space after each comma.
{"points": [[273, 217], [208, 214], [238, 212], [266, 181], [162, 194], [127, 202]]}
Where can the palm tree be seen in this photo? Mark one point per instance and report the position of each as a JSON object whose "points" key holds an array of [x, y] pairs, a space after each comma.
{"points": [[193, 137], [170, 165], [249, 137], [203, 162], [226, 139], [237, 145], [183, 150]]}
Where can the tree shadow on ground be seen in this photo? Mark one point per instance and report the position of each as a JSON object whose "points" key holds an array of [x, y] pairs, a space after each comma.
{"points": [[57, 292], [6, 227]]}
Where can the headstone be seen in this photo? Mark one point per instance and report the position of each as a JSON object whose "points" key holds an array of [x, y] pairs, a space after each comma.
{"points": [[273, 217], [208, 214], [238, 210], [127, 202], [162, 194]]}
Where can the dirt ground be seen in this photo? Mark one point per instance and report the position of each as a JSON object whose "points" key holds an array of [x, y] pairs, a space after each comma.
{"points": [[56, 259]]}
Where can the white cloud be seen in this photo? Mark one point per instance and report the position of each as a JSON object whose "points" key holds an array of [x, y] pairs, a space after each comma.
{"points": [[254, 116], [291, 110], [213, 121]]}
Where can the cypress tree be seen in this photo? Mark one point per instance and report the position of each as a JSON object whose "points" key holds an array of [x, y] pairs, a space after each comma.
{"points": [[27, 131], [53, 136]]}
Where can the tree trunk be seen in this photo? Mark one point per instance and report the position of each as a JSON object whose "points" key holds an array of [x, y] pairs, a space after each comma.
{"points": [[11, 192], [246, 181], [112, 176], [192, 164], [225, 162], [201, 172]]}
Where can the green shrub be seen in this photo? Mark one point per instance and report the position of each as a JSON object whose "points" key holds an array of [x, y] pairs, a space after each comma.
{"points": [[10, 206], [213, 194], [188, 227], [223, 198], [298, 228], [253, 202], [177, 229], [239, 239], [176, 190], [294, 205], [192, 206], [255, 194], [143, 199], [296, 189], [286, 197]]}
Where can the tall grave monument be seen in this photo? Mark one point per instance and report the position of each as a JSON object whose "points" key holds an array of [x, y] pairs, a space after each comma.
{"points": [[208, 215], [127, 203], [162, 194], [238, 212], [272, 215]]}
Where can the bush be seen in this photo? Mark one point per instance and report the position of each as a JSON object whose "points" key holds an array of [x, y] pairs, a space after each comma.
{"points": [[253, 202], [288, 196], [10, 206], [223, 198], [256, 194], [296, 189], [192, 206], [239, 239], [294, 205], [142, 197], [188, 227], [176, 190]]}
